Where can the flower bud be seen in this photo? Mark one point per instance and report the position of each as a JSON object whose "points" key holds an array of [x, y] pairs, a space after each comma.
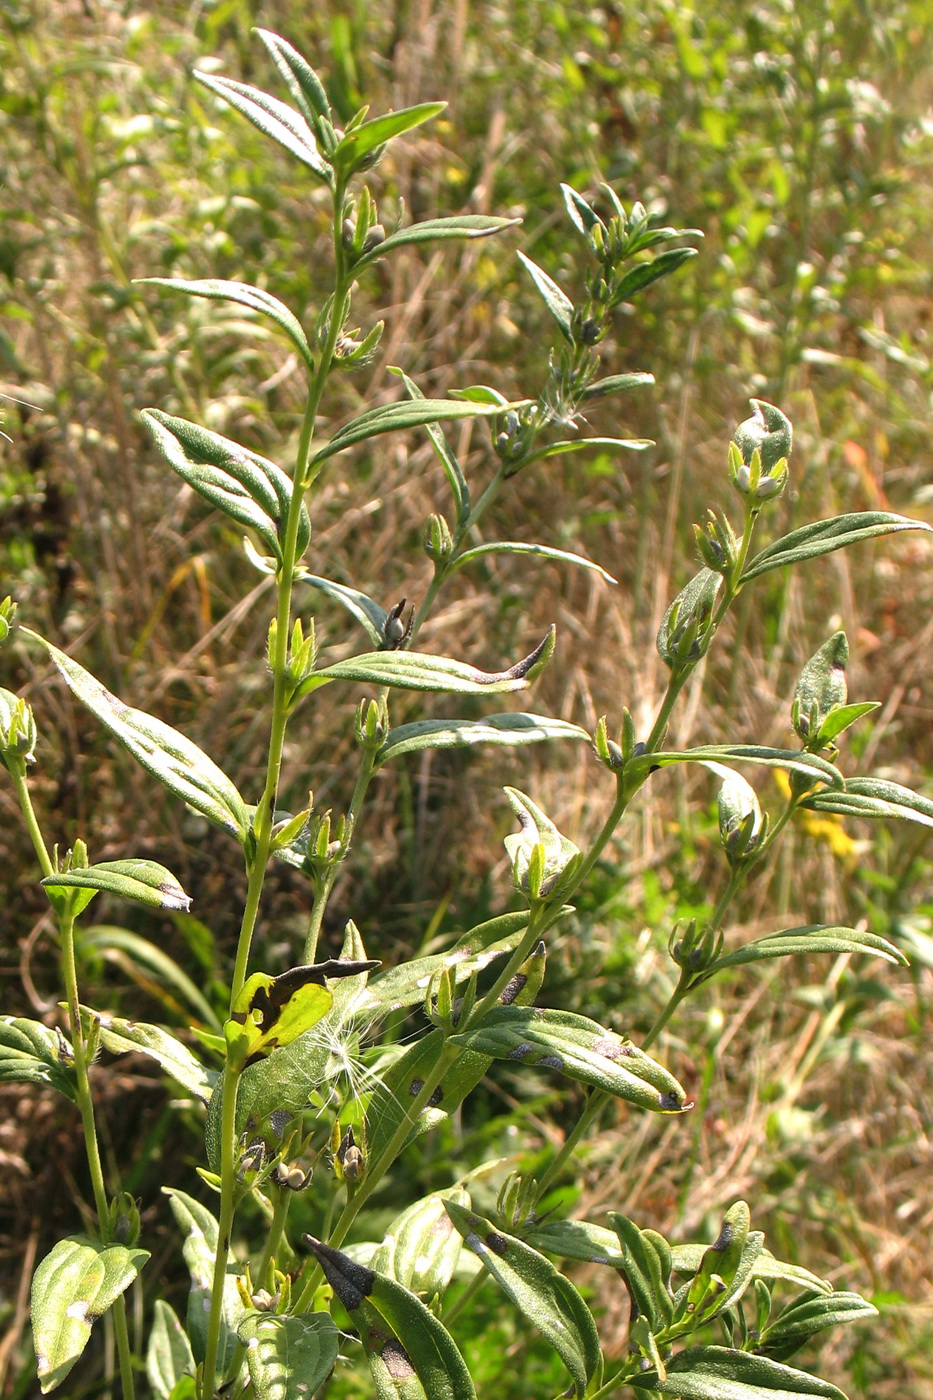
{"points": [[371, 725], [123, 1220], [716, 541], [436, 538], [821, 688], [7, 617], [374, 236], [17, 731], [741, 824], [543, 861], [396, 630], [693, 949], [686, 631], [769, 431]]}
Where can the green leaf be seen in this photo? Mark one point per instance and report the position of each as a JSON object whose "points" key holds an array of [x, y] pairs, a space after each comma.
{"points": [[399, 1085], [643, 274], [542, 1294], [32, 1054], [123, 1037], [417, 1343], [217, 289], [579, 1048], [270, 1012], [823, 536], [647, 1270], [842, 716], [246, 487], [616, 384], [811, 765], [303, 83], [73, 1286], [873, 798], [171, 758], [285, 1080], [370, 616], [444, 454], [392, 417], [352, 151], [169, 1356], [132, 953], [437, 230], [559, 449], [542, 551], [273, 118], [719, 1373], [200, 1231], [808, 1315], [412, 670], [582, 213], [578, 1239], [687, 1259], [556, 301], [288, 1356], [808, 938], [406, 984], [421, 1247], [143, 881], [503, 731]]}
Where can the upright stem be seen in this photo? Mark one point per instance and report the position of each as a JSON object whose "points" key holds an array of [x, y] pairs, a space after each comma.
{"points": [[224, 1229]]}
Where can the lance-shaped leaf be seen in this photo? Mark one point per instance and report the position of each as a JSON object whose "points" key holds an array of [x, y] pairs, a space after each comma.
{"points": [[809, 764], [417, 1343], [687, 1259], [719, 1373], [806, 1316], [874, 798], [168, 1356], [398, 1087], [502, 731], [823, 536], [646, 1266], [177, 763], [578, 1239], [541, 1293], [270, 1012], [73, 1286], [303, 83], [218, 289], [200, 1231], [560, 449], [274, 118], [143, 881], [643, 274], [556, 301], [579, 1048], [288, 1356], [413, 670], [437, 230], [249, 488], [541, 551], [370, 616], [807, 938], [445, 455], [32, 1054], [392, 417], [421, 1246], [366, 138], [616, 384], [123, 1037]]}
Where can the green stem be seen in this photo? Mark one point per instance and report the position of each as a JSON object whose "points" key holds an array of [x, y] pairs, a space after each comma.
{"points": [[680, 991], [597, 1099], [18, 774], [224, 1228], [329, 878], [466, 1297]]}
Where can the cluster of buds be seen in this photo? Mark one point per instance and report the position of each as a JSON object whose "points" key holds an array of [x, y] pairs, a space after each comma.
{"points": [[513, 437], [371, 724], [742, 826], [759, 451], [17, 732], [256, 1299], [694, 949], [515, 1206], [717, 543], [544, 863], [362, 233], [437, 540], [349, 1162], [687, 627]]}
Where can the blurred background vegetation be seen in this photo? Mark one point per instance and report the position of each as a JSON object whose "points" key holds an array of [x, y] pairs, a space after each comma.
{"points": [[799, 139]]}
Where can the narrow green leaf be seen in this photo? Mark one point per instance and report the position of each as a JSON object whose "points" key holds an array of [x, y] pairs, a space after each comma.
{"points": [[811, 765], [392, 417], [687, 1259], [808, 938], [582, 214], [273, 118], [579, 1048], [143, 881], [541, 551], [397, 1087], [418, 1343], [168, 1356], [200, 1231], [247, 487], [288, 1356], [556, 301], [123, 1037], [30, 1053], [808, 1315], [170, 757], [542, 1294], [841, 717], [73, 1286], [412, 670], [406, 984], [368, 613], [503, 731], [437, 230], [616, 384], [300, 78], [873, 798], [560, 449], [719, 1373], [445, 456], [421, 1247], [823, 536], [643, 274], [217, 289], [370, 135], [578, 1239], [647, 1273]]}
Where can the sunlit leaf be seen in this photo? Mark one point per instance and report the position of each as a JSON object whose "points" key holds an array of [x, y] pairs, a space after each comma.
{"points": [[541, 551], [808, 938], [143, 881], [719, 1373], [30, 1053], [200, 1232], [273, 118], [217, 289], [873, 798], [288, 1356], [823, 536], [504, 731], [352, 151], [168, 1356], [556, 301], [122, 1037]]}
